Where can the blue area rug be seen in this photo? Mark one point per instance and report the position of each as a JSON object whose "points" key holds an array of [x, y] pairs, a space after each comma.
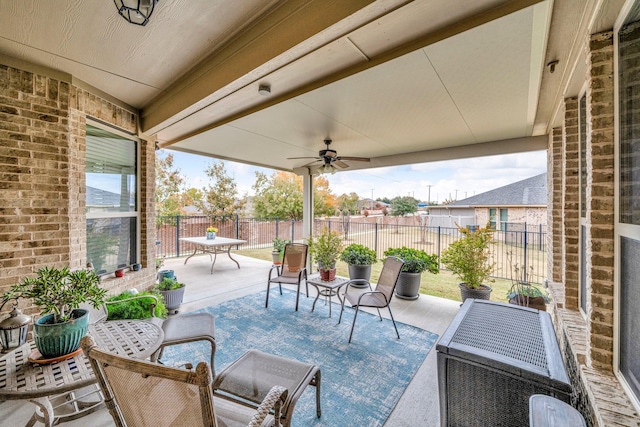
{"points": [[361, 382]]}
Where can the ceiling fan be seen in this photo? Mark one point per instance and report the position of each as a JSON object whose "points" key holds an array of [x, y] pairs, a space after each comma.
{"points": [[330, 159]]}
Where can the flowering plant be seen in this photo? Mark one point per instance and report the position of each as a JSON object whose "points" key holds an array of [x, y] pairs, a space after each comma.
{"points": [[212, 230]]}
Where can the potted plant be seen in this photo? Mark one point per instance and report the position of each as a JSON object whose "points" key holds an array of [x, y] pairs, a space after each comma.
{"points": [[59, 292], [211, 232], [360, 259], [325, 249], [469, 259], [523, 292], [278, 249], [416, 261], [172, 293]]}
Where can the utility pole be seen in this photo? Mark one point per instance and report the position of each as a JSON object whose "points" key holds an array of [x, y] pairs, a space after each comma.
{"points": [[429, 197], [456, 194]]}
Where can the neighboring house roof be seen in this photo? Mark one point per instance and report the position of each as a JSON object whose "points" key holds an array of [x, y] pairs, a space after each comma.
{"points": [[98, 197], [528, 192]]}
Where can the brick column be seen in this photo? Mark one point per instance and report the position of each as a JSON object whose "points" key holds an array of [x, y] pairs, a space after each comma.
{"points": [[554, 200], [600, 197], [571, 199]]}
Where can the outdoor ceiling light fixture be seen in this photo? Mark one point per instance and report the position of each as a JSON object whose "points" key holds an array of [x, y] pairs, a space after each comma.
{"points": [[328, 168], [136, 11]]}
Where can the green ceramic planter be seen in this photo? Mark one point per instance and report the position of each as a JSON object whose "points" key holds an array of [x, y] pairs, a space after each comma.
{"points": [[57, 339]]}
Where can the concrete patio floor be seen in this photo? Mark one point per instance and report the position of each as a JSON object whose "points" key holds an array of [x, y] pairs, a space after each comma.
{"points": [[417, 406]]}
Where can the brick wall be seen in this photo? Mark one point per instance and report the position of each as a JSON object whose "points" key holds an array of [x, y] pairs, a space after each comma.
{"points": [[42, 177], [600, 197], [587, 342]]}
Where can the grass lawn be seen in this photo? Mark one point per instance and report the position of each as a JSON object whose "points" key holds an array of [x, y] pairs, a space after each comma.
{"points": [[443, 285]]}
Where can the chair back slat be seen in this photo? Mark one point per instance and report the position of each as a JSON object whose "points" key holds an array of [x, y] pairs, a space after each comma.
{"points": [[389, 276]]}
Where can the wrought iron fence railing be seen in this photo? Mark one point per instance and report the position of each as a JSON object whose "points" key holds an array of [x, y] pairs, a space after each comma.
{"points": [[522, 245]]}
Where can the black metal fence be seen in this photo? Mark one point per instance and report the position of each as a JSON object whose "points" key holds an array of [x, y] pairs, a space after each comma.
{"points": [[518, 246]]}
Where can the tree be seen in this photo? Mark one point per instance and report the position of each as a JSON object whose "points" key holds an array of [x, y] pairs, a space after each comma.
{"points": [[348, 202], [401, 206], [169, 184], [278, 196], [220, 198]]}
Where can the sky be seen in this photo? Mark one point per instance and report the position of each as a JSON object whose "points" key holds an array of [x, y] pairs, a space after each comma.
{"points": [[434, 181]]}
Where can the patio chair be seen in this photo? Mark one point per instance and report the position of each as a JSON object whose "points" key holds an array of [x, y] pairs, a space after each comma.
{"points": [[378, 298], [292, 270], [178, 329], [141, 393]]}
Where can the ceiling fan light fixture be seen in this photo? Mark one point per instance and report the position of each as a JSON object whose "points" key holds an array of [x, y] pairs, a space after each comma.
{"points": [[328, 168], [136, 11]]}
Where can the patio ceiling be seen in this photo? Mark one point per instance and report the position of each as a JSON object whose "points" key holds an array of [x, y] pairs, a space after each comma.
{"points": [[395, 80]]}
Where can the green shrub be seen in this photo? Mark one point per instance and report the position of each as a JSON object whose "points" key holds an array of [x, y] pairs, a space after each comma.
{"points": [[356, 254], [169, 284], [326, 248], [279, 244], [135, 307], [415, 260], [469, 258]]}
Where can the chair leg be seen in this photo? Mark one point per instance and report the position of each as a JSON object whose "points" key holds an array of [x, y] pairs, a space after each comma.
{"points": [[341, 310], [297, 296], [266, 304], [354, 322], [379, 315], [280, 286], [394, 322]]}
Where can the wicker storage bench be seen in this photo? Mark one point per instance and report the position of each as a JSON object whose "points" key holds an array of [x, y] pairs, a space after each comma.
{"points": [[491, 359]]}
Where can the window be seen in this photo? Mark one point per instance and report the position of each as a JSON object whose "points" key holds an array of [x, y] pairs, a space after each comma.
{"points": [[498, 223], [627, 227], [112, 212]]}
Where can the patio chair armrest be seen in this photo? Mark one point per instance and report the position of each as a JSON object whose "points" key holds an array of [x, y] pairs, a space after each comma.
{"points": [[272, 401], [371, 293], [152, 306], [276, 268]]}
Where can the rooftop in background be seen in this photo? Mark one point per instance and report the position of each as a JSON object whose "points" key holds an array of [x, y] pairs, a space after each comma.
{"points": [[528, 192]]}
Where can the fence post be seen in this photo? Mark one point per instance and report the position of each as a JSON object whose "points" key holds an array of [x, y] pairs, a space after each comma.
{"points": [[177, 235], [375, 237], [237, 227], [277, 225], [293, 230], [524, 270], [439, 245]]}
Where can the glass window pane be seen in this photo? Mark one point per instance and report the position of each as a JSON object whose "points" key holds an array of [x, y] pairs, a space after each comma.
{"points": [[629, 319], [111, 243], [629, 94], [111, 172]]}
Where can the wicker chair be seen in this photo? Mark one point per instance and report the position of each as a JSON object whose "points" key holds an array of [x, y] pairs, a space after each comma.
{"points": [[381, 296], [141, 393], [292, 270]]}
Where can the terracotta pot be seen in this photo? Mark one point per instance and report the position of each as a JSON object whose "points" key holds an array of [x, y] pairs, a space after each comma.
{"points": [[327, 275], [119, 273]]}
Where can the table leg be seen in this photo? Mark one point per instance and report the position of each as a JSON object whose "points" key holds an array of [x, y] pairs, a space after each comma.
{"points": [[215, 256], [47, 412], [194, 252], [313, 307], [229, 254]]}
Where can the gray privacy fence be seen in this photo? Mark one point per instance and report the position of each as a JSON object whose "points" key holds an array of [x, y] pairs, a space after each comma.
{"points": [[518, 246]]}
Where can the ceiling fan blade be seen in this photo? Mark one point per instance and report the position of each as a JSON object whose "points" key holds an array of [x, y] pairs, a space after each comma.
{"points": [[340, 164], [309, 157], [355, 159], [313, 163]]}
